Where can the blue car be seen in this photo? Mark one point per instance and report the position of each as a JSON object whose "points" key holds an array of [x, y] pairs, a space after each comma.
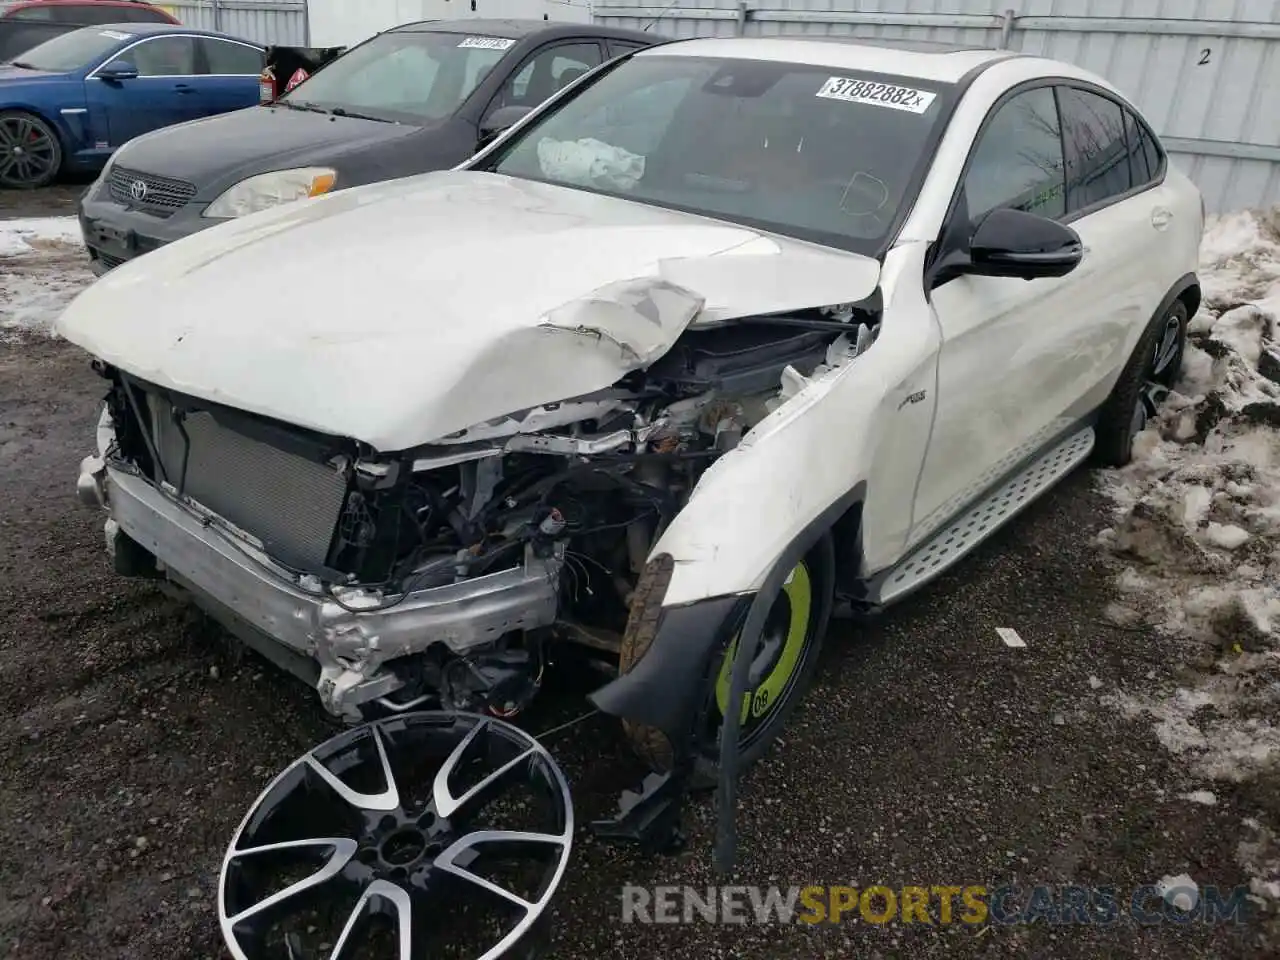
{"points": [[67, 104]]}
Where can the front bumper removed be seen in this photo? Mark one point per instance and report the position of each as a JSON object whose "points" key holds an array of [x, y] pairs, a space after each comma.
{"points": [[345, 650], [346, 637]]}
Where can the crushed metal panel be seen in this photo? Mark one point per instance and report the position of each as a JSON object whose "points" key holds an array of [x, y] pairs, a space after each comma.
{"points": [[639, 318]]}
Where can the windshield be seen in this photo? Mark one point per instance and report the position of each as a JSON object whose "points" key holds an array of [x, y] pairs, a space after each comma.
{"points": [[407, 76], [73, 51], [814, 152]]}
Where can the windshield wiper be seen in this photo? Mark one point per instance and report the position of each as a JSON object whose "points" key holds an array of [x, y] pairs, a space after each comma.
{"points": [[299, 105], [23, 65], [343, 112]]}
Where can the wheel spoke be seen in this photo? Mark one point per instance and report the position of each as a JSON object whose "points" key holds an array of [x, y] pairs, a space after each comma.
{"points": [[448, 859], [6, 134], [388, 799], [393, 894], [343, 851], [446, 803]]}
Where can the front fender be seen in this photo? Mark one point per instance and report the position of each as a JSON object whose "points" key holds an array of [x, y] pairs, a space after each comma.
{"points": [[664, 688]]}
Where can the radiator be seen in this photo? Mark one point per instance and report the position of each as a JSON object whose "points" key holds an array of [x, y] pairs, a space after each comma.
{"points": [[288, 502]]}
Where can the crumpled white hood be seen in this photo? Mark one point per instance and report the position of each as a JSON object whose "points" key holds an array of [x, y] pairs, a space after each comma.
{"points": [[398, 313]]}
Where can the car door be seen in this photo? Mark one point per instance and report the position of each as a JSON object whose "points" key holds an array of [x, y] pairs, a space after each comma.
{"points": [[163, 93], [1125, 220], [1015, 354], [544, 72], [230, 72]]}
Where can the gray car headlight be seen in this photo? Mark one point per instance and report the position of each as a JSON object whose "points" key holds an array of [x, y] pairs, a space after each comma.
{"points": [[268, 190]]}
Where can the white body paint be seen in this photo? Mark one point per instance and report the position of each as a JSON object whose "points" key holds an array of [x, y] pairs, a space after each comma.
{"points": [[401, 312]]}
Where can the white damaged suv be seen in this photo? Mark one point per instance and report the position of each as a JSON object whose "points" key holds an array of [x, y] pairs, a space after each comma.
{"points": [[725, 336]]}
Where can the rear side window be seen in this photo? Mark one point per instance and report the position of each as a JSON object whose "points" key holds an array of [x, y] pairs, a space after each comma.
{"points": [[90, 14], [142, 14], [1145, 159], [223, 58], [31, 13], [1098, 161], [1017, 162], [618, 47], [1139, 166]]}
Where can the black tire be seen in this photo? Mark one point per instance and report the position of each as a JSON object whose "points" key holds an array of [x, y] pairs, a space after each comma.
{"points": [[30, 151], [1152, 370], [652, 745]]}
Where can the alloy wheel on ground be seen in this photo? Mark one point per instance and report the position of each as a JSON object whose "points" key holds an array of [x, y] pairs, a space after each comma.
{"points": [[426, 834]]}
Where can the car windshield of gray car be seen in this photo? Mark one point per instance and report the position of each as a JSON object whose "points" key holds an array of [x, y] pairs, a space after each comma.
{"points": [[73, 51], [409, 76], [820, 153]]}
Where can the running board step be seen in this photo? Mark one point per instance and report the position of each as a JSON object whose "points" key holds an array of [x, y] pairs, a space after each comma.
{"points": [[981, 520]]}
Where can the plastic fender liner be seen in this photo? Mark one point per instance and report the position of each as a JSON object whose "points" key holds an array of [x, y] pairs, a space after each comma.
{"points": [[726, 795], [663, 689], [1184, 283]]}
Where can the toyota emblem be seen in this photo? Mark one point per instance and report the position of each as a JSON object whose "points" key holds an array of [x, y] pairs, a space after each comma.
{"points": [[138, 190]]}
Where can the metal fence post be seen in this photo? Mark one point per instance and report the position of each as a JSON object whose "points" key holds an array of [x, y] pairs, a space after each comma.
{"points": [[1006, 28], [743, 13], [217, 14]]}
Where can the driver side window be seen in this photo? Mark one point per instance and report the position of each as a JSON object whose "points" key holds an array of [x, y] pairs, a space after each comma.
{"points": [[163, 57], [1018, 161]]}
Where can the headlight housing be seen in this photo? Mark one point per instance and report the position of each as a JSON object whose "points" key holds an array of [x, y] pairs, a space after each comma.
{"points": [[268, 190]]}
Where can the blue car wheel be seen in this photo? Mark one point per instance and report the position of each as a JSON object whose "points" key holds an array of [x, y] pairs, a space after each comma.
{"points": [[30, 153]]}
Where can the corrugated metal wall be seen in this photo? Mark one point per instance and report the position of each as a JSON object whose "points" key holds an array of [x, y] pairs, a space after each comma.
{"points": [[263, 21], [1205, 72]]}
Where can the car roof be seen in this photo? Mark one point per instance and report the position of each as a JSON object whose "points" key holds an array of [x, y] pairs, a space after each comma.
{"points": [[943, 63], [518, 29]]}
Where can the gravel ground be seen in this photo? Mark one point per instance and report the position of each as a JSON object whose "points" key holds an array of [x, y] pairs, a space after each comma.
{"points": [[928, 753], [58, 200]]}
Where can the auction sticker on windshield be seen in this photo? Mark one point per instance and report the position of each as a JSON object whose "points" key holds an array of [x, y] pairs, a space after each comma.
{"points": [[877, 94], [488, 43]]}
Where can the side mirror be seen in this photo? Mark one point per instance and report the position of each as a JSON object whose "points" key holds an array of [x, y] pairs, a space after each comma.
{"points": [[498, 122], [118, 70], [1014, 243]]}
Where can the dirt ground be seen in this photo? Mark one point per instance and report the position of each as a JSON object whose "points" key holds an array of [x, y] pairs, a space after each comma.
{"points": [[928, 752]]}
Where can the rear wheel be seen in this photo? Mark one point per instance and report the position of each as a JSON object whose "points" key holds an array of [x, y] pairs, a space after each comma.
{"points": [[1146, 380], [30, 152], [780, 673]]}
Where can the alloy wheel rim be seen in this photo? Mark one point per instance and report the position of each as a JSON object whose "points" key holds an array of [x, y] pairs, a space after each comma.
{"points": [[27, 153], [391, 837], [1166, 346], [1150, 397]]}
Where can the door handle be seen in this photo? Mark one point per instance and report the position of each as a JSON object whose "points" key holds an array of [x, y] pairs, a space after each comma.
{"points": [[184, 88], [1160, 217]]}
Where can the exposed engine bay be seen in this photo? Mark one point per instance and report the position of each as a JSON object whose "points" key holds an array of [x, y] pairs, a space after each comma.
{"points": [[574, 494]]}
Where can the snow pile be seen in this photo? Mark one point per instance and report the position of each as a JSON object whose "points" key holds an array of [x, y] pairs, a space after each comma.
{"points": [[1198, 523], [42, 268]]}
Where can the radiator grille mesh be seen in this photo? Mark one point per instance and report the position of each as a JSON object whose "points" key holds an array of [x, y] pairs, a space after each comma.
{"points": [[288, 502]]}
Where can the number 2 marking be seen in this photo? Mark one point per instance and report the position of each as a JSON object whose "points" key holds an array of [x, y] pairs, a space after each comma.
{"points": [[1204, 57]]}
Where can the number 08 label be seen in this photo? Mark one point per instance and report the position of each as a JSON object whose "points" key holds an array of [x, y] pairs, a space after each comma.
{"points": [[877, 94]]}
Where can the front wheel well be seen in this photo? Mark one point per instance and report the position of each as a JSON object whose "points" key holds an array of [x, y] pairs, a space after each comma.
{"points": [[1191, 296]]}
